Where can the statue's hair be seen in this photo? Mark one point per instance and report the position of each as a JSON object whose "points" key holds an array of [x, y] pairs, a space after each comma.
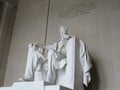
{"points": [[65, 28]]}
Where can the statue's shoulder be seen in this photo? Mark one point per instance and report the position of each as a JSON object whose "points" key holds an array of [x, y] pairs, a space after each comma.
{"points": [[75, 39], [71, 37], [71, 40]]}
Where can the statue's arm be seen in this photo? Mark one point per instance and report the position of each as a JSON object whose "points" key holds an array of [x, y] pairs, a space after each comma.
{"points": [[85, 63], [43, 57]]}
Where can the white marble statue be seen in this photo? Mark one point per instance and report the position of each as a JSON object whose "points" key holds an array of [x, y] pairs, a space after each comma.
{"points": [[67, 62], [36, 58]]}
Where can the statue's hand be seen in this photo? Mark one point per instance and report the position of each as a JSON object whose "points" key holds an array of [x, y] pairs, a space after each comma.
{"points": [[30, 45], [34, 46]]}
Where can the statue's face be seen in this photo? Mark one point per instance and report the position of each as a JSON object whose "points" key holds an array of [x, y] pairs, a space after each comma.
{"points": [[63, 31]]}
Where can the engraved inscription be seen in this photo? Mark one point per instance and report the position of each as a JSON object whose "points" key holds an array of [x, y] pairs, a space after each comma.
{"points": [[78, 9]]}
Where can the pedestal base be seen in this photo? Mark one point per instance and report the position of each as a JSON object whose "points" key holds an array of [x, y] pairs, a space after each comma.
{"points": [[37, 85]]}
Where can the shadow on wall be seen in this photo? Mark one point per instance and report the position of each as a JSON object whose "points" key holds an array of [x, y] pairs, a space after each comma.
{"points": [[95, 77]]}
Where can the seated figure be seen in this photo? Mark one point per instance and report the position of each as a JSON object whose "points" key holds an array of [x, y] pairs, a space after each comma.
{"points": [[67, 62], [56, 56]]}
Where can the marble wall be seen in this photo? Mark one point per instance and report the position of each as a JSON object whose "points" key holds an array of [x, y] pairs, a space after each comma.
{"points": [[96, 22]]}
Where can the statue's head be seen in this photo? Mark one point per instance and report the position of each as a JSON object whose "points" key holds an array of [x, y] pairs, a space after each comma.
{"points": [[63, 30]]}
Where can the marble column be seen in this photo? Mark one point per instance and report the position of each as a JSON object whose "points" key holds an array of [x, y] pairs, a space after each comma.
{"points": [[8, 10]]}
